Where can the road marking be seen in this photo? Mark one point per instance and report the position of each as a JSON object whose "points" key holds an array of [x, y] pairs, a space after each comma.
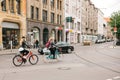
{"points": [[108, 79], [117, 77]]}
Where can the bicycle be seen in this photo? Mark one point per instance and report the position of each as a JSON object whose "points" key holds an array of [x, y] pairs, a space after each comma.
{"points": [[57, 54], [45, 51], [19, 59]]}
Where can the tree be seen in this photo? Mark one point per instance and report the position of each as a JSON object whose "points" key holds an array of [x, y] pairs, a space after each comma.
{"points": [[115, 22]]}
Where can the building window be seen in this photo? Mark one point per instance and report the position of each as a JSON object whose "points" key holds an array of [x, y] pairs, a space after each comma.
{"points": [[67, 8], [52, 17], [57, 4], [78, 25], [58, 19], [3, 5], [44, 16], [52, 3], [60, 5], [18, 6], [45, 2], [32, 12], [37, 13], [11, 6]]}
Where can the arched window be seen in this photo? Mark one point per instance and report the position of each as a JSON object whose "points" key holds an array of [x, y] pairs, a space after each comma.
{"points": [[3, 5], [18, 6]]}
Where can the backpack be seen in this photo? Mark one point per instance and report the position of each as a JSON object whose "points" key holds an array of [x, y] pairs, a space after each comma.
{"points": [[47, 44]]}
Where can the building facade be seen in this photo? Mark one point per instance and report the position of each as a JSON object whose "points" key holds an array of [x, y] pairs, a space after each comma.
{"points": [[89, 21], [72, 21], [45, 20], [12, 23], [101, 25]]}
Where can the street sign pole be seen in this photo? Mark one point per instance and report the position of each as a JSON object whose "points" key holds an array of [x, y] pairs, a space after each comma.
{"points": [[115, 39]]}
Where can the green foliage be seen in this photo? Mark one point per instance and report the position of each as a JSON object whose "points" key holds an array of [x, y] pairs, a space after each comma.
{"points": [[115, 21]]}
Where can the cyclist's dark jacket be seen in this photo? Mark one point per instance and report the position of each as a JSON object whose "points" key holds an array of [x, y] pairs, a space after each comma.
{"points": [[24, 45]]}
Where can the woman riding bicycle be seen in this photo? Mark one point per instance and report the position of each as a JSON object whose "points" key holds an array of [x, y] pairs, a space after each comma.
{"points": [[24, 45], [22, 49], [51, 45]]}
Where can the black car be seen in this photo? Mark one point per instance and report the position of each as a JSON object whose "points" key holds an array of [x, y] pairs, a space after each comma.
{"points": [[65, 47]]}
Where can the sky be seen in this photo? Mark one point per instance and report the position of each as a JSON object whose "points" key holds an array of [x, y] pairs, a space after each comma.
{"points": [[107, 6]]}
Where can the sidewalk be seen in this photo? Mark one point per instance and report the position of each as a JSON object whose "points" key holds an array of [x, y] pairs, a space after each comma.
{"points": [[9, 52], [13, 51]]}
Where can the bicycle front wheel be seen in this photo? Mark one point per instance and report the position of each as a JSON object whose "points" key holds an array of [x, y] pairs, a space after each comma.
{"points": [[17, 60], [33, 59]]}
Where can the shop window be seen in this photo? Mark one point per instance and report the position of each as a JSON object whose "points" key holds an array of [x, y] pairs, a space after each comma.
{"points": [[10, 35]]}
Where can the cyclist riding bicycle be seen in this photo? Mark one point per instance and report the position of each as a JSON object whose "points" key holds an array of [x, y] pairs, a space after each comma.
{"points": [[22, 49], [51, 46]]}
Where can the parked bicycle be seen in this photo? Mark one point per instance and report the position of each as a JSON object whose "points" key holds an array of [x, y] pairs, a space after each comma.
{"points": [[19, 59]]}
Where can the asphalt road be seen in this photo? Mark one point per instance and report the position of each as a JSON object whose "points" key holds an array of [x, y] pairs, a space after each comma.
{"points": [[95, 62]]}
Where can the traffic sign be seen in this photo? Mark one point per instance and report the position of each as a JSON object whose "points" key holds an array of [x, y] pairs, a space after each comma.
{"points": [[115, 29]]}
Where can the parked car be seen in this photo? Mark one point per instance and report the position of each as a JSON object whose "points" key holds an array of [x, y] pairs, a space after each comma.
{"points": [[65, 47], [100, 41]]}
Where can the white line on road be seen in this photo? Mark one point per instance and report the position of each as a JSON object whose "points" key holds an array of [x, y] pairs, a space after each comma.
{"points": [[117, 77], [108, 79]]}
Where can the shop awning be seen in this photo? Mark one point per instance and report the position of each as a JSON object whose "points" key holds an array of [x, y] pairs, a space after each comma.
{"points": [[10, 25]]}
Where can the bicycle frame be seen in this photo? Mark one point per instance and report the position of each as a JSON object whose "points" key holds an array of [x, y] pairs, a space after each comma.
{"points": [[29, 54]]}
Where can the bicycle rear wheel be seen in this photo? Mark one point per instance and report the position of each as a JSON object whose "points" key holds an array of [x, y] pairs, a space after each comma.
{"points": [[33, 59], [17, 60]]}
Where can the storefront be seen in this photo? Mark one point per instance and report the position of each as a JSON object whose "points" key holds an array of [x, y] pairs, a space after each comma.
{"points": [[10, 35]]}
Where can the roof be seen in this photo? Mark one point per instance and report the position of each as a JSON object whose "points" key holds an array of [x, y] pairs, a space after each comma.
{"points": [[107, 19]]}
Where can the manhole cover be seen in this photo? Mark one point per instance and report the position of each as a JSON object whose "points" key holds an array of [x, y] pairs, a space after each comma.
{"points": [[64, 68]]}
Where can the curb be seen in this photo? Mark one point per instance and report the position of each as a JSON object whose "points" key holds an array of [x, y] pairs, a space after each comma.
{"points": [[13, 53]]}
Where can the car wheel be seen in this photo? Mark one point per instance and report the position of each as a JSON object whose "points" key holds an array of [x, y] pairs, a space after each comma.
{"points": [[69, 51]]}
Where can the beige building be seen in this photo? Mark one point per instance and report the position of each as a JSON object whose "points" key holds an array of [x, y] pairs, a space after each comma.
{"points": [[12, 22], [89, 21], [44, 20]]}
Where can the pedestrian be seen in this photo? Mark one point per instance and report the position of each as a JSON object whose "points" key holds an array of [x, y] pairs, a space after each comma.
{"points": [[36, 44]]}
